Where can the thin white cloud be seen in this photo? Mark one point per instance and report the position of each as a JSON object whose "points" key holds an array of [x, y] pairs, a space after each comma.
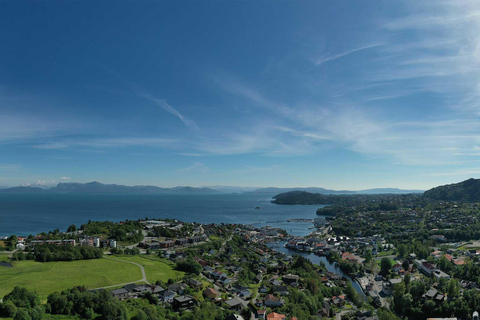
{"points": [[197, 167], [65, 178], [306, 134], [236, 87], [167, 107], [107, 143], [246, 169], [52, 146], [332, 57], [15, 127], [124, 142], [10, 167], [187, 154], [456, 173]]}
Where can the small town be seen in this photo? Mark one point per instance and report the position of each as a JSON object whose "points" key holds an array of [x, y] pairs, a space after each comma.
{"points": [[426, 267]]}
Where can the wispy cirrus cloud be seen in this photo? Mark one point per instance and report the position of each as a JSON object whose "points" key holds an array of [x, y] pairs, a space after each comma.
{"points": [[197, 167], [167, 107], [247, 169], [107, 143], [125, 142], [5, 167], [330, 57], [15, 127]]}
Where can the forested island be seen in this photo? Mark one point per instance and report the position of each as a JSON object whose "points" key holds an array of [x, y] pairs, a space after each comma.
{"points": [[466, 191]]}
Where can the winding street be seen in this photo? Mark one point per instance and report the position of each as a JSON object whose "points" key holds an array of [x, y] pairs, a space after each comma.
{"points": [[144, 276]]}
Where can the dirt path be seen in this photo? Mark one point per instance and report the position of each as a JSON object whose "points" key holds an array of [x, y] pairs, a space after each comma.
{"points": [[144, 276]]}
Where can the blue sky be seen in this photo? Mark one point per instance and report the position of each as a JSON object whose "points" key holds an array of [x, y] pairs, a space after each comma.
{"points": [[337, 94]]}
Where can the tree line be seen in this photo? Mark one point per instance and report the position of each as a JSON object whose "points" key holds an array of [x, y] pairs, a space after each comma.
{"points": [[50, 252]]}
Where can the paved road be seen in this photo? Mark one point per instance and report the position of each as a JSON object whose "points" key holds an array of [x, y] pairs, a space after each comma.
{"points": [[144, 276]]}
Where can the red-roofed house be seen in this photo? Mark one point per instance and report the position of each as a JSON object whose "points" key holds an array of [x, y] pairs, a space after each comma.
{"points": [[276, 316]]}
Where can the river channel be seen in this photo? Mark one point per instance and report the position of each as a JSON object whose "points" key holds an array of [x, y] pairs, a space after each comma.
{"points": [[317, 260]]}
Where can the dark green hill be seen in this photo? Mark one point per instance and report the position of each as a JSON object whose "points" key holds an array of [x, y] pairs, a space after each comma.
{"points": [[468, 190], [306, 198], [301, 197]]}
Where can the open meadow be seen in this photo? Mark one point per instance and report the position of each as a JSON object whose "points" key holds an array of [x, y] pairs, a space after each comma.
{"points": [[48, 277], [155, 268]]}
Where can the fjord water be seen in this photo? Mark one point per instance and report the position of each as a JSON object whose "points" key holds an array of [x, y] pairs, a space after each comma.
{"points": [[24, 214]]}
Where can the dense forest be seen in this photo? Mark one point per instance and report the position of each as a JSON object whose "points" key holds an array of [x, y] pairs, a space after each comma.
{"points": [[306, 198], [468, 190], [128, 231]]}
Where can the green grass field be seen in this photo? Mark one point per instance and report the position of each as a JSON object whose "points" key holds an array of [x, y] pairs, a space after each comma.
{"points": [[48, 277], [4, 257], [155, 268]]}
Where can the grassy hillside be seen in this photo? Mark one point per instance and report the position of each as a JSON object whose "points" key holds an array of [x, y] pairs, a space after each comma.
{"points": [[155, 268], [48, 277]]}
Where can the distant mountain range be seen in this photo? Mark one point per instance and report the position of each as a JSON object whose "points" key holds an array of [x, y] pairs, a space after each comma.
{"points": [[327, 191], [468, 190], [231, 189], [97, 187]]}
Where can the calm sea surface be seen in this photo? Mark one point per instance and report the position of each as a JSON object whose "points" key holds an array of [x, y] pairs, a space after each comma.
{"points": [[24, 214]]}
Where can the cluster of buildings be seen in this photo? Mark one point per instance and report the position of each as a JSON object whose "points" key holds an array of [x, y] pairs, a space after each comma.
{"points": [[97, 242], [82, 241], [155, 244], [173, 294]]}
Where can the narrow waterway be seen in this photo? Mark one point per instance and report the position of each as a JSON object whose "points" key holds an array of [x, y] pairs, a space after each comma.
{"points": [[317, 260]]}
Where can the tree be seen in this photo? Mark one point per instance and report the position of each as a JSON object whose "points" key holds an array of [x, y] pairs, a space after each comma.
{"points": [[72, 228], [8, 309], [405, 265], [189, 265], [312, 285], [402, 250], [58, 303], [11, 242], [23, 298], [22, 315], [140, 315], [36, 313], [368, 255], [113, 310], [398, 293], [385, 266], [407, 278], [407, 301], [151, 298], [352, 294], [444, 264], [453, 289], [88, 313], [386, 315]]}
